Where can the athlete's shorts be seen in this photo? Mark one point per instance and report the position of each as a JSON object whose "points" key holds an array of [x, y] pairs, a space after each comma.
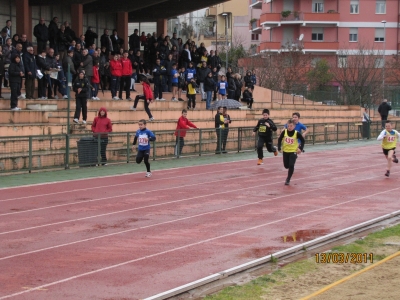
{"points": [[386, 151]]}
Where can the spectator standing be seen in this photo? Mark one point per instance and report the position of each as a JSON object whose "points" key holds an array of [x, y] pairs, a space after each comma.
{"points": [[191, 93], [41, 33], [147, 97], [174, 75], [68, 61], [248, 81], [366, 121], [3, 37], [116, 73], [159, 73], [225, 132], [69, 31], [63, 42], [182, 126], [201, 77], [87, 66], [53, 30], [174, 40], [95, 80], [117, 42], [231, 86], [134, 41], [2, 69], [15, 73], [7, 28], [25, 43], [101, 126], [52, 63], [104, 69], [218, 61], [222, 88], [168, 63], [60, 84], [125, 82], [253, 78], [105, 41], [41, 63], [219, 127], [7, 50], [209, 87], [77, 57], [215, 77], [90, 36], [383, 110], [82, 41], [185, 57], [15, 40], [30, 72], [81, 88], [239, 85], [181, 83]]}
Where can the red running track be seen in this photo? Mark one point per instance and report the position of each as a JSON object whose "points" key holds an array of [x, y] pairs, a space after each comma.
{"points": [[132, 237]]}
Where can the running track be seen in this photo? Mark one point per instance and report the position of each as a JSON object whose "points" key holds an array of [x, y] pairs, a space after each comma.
{"points": [[127, 236]]}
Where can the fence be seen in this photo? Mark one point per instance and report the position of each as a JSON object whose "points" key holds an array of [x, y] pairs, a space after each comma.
{"points": [[31, 153]]}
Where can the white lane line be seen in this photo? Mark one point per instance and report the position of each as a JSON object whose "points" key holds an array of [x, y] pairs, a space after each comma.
{"points": [[169, 169], [197, 243], [185, 218], [137, 193], [130, 183]]}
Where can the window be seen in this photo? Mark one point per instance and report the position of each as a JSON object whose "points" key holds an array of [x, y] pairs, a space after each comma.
{"points": [[254, 37], [379, 35], [353, 35], [342, 61], [317, 34], [380, 7], [354, 6], [318, 6]]}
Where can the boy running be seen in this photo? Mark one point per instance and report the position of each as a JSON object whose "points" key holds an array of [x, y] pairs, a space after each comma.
{"points": [[265, 127], [389, 138], [299, 127], [144, 136], [289, 141]]}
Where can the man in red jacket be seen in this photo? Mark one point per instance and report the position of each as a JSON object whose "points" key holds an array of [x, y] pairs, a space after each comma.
{"points": [[100, 127], [126, 76], [180, 133], [116, 72]]}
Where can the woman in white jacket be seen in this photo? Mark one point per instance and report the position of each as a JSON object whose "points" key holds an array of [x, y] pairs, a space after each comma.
{"points": [[389, 138]]}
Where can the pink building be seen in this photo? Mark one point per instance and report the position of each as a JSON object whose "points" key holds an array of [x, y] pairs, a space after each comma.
{"points": [[324, 27]]}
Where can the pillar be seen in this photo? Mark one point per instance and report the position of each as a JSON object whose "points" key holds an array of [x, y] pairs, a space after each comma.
{"points": [[161, 26], [24, 17], [122, 27], [77, 19]]}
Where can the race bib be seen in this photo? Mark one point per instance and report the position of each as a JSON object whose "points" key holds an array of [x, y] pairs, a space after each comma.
{"points": [[262, 128], [391, 138], [222, 85], [289, 140], [190, 75], [143, 140]]}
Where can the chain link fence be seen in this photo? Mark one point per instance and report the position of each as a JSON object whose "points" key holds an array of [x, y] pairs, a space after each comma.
{"points": [[33, 153]]}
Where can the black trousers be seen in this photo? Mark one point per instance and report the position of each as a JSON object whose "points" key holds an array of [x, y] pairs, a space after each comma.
{"points": [[40, 46], [125, 84], [181, 142], [289, 160], [267, 140], [103, 149], [158, 89], [1, 81], [383, 118], [50, 88], [224, 137], [29, 87], [143, 155], [81, 104], [191, 101], [15, 87], [42, 87], [146, 105]]}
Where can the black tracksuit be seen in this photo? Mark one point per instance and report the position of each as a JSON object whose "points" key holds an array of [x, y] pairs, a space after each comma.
{"points": [[81, 98], [265, 136]]}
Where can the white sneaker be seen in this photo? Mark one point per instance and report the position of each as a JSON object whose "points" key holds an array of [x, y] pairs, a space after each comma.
{"points": [[55, 97], [174, 99], [157, 99], [76, 121], [162, 99], [151, 119], [93, 98], [115, 98], [15, 109], [65, 97], [84, 122], [134, 108], [148, 174], [97, 98], [21, 97]]}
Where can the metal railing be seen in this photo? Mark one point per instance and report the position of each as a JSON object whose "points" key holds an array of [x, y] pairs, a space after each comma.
{"points": [[33, 153]]}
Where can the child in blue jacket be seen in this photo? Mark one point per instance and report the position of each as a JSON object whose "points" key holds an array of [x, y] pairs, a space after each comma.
{"points": [[143, 136]]}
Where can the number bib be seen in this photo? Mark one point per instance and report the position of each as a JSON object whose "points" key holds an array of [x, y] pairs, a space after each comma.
{"points": [[390, 141], [262, 128], [190, 75], [143, 140], [289, 140], [222, 85], [290, 143]]}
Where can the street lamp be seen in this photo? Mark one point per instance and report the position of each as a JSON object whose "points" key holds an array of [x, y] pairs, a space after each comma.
{"points": [[225, 15], [383, 67]]}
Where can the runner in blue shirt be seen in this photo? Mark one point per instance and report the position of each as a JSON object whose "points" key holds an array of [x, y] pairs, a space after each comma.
{"points": [[143, 136], [299, 127]]}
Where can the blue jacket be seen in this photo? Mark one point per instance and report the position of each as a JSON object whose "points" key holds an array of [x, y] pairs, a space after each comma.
{"points": [[190, 73], [158, 72], [144, 137]]}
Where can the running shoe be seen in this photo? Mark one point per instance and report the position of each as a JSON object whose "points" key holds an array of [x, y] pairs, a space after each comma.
{"points": [[84, 122], [287, 182], [387, 174], [148, 174], [260, 161], [129, 99], [276, 151], [76, 121], [134, 108], [396, 161], [115, 98], [151, 119]]}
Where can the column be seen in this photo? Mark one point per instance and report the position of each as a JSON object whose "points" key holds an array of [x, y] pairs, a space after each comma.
{"points": [[24, 17], [77, 19], [161, 26], [122, 27]]}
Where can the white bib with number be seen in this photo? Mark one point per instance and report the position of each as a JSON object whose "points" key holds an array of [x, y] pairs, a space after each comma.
{"points": [[143, 140]]}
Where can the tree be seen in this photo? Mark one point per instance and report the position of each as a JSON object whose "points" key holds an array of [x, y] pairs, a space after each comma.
{"points": [[319, 76], [187, 30]]}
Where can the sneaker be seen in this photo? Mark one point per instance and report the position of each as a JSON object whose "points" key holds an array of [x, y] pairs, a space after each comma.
{"points": [[93, 98], [84, 122], [129, 99], [21, 97], [276, 151], [97, 98], [55, 97], [133, 90], [134, 108], [115, 98], [396, 161], [157, 99], [76, 121], [174, 99], [65, 97], [260, 161], [387, 174], [151, 119], [180, 99], [15, 109], [287, 182], [188, 107], [162, 99], [148, 174]]}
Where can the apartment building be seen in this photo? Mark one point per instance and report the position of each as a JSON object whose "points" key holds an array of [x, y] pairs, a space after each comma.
{"points": [[324, 27]]}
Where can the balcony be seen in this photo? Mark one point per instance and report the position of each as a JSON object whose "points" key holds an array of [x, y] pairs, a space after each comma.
{"points": [[255, 27], [211, 12], [320, 47], [270, 46], [256, 4], [300, 18], [306, 47]]}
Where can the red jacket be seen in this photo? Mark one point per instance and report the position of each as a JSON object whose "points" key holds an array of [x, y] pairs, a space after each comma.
{"points": [[116, 68], [148, 93], [126, 67], [101, 124], [96, 76], [183, 124]]}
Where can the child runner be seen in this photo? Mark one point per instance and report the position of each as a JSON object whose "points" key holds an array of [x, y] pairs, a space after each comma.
{"points": [[143, 137], [299, 127], [147, 97], [222, 87], [180, 133], [265, 126], [389, 138], [289, 141]]}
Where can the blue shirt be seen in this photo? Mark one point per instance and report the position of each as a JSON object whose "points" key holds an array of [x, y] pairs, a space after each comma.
{"points": [[222, 87], [299, 127], [190, 73], [144, 137], [174, 79]]}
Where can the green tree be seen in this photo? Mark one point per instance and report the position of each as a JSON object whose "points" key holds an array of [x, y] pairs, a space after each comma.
{"points": [[319, 76]]}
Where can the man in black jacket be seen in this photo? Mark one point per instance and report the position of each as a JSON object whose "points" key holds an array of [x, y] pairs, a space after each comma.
{"points": [[30, 72], [159, 72], [53, 30], [69, 31], [383, 110], [25, 43], [134, 41], [41, 63], [41, 33], [201, 77], [105, 41], [90, 36], [265, 127]]}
